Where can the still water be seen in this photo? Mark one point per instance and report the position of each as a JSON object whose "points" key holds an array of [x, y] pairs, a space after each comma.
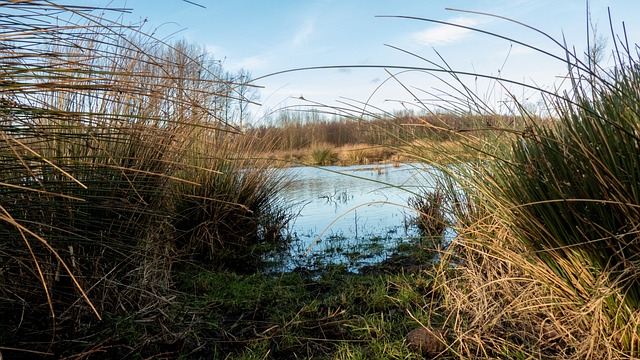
{"points": [[354, 215]]}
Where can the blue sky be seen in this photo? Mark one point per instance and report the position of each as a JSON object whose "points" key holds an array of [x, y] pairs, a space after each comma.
{"points": [[264, 37]]}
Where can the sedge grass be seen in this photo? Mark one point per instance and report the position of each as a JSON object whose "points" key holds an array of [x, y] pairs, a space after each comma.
{"points": [[110, 139], [544, 264], [322, 154], [233, 206]]}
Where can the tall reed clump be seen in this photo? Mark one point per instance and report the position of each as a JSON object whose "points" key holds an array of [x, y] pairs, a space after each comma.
{"points": [[109, 140], [564, 204], [545, 264], [574, 201], [356, 155], [231, 214], [431, 219], [322, 154]]}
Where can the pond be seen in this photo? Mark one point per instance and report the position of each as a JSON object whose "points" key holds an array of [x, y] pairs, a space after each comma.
{"points": [[352, 215]]}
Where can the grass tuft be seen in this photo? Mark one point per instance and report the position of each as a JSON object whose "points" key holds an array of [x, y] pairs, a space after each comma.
{"points": [[544, 264], [118, 168], [322, 154]]}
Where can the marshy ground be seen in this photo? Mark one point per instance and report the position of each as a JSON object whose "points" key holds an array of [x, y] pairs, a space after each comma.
{"points": [[328, 313]]}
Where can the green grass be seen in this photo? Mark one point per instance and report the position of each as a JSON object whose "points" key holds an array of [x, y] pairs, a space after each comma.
{"points": [[329, 314], [322, 154]]}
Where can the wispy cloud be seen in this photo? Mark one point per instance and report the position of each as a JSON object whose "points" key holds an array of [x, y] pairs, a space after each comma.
{"points": [[444, 34], [214, 50], [303, 33], [253, 63]]}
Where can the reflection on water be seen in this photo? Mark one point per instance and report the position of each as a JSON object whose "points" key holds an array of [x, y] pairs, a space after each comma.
{"points": [[353, 214]]}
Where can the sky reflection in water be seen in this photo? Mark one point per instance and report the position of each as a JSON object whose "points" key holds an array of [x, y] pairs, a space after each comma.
{"points": [[344, 209]]}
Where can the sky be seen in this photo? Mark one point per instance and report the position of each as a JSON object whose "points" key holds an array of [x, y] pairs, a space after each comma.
{"points": [[267, 37]]}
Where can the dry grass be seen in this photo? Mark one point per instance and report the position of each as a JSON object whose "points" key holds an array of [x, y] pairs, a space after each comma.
{"points": [[545, 261], [322, 154], [362, 154], [440, 152], [359, 154], [503, 302], [117, 166]]}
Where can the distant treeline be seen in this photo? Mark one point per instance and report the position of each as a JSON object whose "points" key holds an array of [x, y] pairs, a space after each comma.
{"points": [[295, 130]]}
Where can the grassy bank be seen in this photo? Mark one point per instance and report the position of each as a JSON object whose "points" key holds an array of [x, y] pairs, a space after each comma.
{"points": [[332, 314]]}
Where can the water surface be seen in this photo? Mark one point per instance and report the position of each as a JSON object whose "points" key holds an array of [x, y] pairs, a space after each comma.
{"points": [[353, 215]]}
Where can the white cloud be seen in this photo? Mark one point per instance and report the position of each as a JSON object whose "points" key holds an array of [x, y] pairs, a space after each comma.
{"points": [[444, 34], [216, 53], [214, 50], [251, 63], [303, 33]]}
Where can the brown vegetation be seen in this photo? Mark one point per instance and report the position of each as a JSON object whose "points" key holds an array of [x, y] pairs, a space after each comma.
{"points": [[297, 130], [118, 167], [298, 138]]}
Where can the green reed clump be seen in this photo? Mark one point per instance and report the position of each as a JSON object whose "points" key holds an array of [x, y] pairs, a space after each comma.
{"points": [[322, 154], [232, 213], [558, 232], [86, 151], [431, 218], [545, 260], [571, 191]]}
